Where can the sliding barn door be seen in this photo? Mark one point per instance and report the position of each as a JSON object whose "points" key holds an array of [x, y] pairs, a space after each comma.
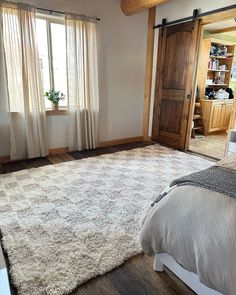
{"points": [[176, 69]]}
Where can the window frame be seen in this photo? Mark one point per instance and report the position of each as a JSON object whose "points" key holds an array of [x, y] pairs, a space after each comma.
{"points": [[52, 20]]}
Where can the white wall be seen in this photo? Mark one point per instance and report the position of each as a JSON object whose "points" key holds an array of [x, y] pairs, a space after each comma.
{"points": [[176, 9], [122, 54]]}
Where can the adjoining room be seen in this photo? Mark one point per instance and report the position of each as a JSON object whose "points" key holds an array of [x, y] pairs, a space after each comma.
{"points": [[216, 84]]}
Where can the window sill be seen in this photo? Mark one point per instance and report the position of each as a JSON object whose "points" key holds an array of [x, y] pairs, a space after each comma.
{"points": [[60, 112]]}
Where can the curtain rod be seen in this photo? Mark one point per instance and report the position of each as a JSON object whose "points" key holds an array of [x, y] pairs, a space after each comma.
{"points": [[59, 12]]}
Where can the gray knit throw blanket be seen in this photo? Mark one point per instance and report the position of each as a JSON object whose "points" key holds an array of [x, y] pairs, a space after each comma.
{"points": [[215, 178]]}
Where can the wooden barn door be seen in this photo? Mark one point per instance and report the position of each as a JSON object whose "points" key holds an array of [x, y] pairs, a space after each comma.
{"points": [[175, 80]]}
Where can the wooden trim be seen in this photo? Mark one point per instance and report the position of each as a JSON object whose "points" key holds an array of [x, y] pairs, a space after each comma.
{"points": [[130, 7], [149, 70], [232, 123], [195, 81], [217, 17], [230, 29], [57, 151], [57, 112], [157, 95], [149, 138], [121, 141], [4, 159]]}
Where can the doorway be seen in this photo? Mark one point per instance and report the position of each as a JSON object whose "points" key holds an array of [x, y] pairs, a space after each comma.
{"points": [[216, 84], [188, 114]]}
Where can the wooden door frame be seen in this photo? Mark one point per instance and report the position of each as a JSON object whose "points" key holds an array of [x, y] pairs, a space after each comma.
{"points": [[149, 71], [209, 19]]}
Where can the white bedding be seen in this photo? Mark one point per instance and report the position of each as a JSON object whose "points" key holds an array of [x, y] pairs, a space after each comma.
{"points": [[197, 227]]}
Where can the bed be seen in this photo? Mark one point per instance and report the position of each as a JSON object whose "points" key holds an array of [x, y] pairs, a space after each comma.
{"points": [[190, 229]]}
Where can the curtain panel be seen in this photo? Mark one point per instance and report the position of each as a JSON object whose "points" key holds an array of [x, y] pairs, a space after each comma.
{"points": [[25, 89], [82, 75]]}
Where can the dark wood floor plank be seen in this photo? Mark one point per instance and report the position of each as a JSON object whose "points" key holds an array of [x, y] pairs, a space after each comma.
{"points": [[98, 152], [126, 282], [1, 169], [24, 164], [130, 146], [165, 281], [13, 166], [76, 155], [97, 286], [37, 162], [142, 268]]}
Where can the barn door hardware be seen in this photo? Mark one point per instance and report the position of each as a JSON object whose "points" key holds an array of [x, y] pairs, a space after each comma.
{"points": [[196, 15]]}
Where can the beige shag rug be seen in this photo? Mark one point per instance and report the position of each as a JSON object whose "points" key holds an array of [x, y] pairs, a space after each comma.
{"points": [[66, 223]]}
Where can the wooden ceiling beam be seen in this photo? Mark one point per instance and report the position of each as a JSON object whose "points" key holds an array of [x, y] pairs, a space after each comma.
{"points": [[225, 30], [130, 7], [219, 16]]}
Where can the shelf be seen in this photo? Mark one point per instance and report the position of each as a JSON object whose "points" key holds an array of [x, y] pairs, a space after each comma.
{"points": [[196, 117], [213, 70], [216, 85], [198, 128], [221, 57]]}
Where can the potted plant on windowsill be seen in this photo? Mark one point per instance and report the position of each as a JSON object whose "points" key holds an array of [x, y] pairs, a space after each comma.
{"points": [[54, 97]]}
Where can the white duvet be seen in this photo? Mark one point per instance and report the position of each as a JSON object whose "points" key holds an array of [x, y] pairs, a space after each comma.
{"points": [[197, 227]]}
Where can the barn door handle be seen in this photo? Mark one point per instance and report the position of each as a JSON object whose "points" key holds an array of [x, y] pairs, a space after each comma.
{"points": [[189, 96]]}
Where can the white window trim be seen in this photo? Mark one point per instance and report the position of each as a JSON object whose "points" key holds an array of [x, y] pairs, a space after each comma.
{"points": [[49, 20]]}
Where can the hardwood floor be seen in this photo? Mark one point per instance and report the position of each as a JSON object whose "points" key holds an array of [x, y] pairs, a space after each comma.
{"points": [[136, 276], [211, 145]]}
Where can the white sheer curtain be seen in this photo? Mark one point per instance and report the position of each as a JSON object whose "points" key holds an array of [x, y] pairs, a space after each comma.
{"points": [[25, 91], [82, 74]]}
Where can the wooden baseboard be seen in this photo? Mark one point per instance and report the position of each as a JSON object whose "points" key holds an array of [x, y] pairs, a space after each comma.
{"points": [[121, 141], [58, 151], [4, 159]]}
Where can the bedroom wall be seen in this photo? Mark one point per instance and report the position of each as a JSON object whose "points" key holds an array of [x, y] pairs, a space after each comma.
{"points": [[122, 58], [173, 10]]}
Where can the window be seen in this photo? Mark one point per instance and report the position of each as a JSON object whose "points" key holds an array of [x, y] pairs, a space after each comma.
{"points": [[52, 54]]}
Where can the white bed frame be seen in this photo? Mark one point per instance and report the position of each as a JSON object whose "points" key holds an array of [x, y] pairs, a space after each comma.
{"points": [[189, 278], [4, 283]]}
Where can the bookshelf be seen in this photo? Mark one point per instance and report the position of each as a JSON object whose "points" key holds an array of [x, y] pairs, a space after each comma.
{"points": [[214, 70]]}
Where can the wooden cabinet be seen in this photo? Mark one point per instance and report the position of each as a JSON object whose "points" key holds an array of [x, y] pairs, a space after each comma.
{"points": [[225, 116], [215, 121], [216, 114]]}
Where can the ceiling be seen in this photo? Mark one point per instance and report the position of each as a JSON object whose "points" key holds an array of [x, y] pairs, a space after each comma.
{"points": [[222, 25]]}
